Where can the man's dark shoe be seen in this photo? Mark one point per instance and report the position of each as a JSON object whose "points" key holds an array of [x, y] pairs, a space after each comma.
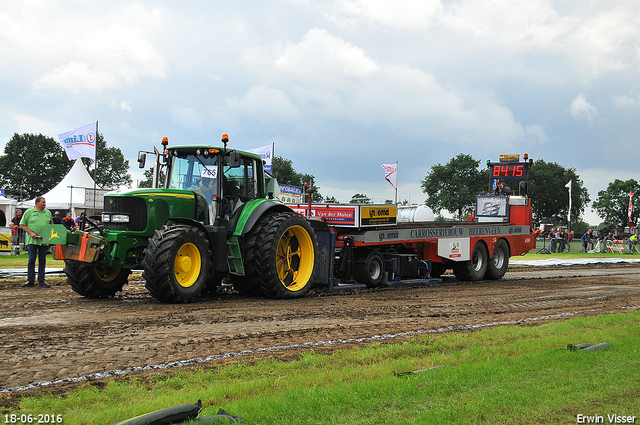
{"points": [[29, 284], [44, 284]]}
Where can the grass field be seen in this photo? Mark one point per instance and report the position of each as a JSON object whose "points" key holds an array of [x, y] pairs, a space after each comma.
{"points": [[503, 375]]}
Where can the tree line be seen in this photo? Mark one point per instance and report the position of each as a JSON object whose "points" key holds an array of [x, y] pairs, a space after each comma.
{"points": [[454, 186], [33, 164]]}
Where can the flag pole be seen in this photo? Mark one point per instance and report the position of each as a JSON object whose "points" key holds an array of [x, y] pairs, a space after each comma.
{"points": [[396, 183], [95, 169]]}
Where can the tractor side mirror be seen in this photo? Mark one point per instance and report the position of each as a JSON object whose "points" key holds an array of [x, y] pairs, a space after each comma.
{"points": [[235, 159], [142, 158]]}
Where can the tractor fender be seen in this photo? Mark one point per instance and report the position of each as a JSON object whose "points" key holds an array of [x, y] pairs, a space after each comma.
{"points": [[190, 222], [217, 240], [260, 210]]}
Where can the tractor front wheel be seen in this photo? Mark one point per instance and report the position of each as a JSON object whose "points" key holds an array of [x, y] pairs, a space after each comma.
{"points": [[177, 264], [94, 281]]}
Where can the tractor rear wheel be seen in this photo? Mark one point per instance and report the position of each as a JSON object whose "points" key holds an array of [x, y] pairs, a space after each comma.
{"points": [[93, 281], [177, 264], [280, 256], [475, 268]]}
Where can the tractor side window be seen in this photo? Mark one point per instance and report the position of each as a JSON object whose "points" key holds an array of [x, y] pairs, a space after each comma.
{"points": [[240, 181], [239, 186]]}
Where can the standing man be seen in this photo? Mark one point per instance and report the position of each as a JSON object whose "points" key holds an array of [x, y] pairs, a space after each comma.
{"points": [[33, 222], [586, 238], [16, 231], [553, 243]]}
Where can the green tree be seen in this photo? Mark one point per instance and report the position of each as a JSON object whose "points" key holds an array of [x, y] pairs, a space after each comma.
{"points": [[360, 198], [148, 178], [613, 203], [550, 197], [454, 186], [330, 200], [32, 165], [284, 172], [112, 168]]}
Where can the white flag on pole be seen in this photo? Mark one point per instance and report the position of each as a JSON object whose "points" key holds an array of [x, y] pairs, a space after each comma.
{"points": [[80, 142], [266, 152], [391, 174]]}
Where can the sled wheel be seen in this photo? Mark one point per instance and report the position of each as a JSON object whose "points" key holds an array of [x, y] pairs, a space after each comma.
{"points": [[369, 268], [94, 281], [475, 268], [177, 264], [497, 266]]}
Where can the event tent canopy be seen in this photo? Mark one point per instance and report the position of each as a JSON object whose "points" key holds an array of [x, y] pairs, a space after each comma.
{"points": [[69, 194]]}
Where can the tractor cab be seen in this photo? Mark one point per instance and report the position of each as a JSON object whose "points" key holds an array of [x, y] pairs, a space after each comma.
{"points": [[222, 179]]}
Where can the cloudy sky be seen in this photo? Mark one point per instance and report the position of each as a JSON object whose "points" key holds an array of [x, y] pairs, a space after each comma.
{"points": [[340, 87]]}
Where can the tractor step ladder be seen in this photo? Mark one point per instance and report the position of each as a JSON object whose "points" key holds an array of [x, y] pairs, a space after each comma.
{"points": [[236, 266]]}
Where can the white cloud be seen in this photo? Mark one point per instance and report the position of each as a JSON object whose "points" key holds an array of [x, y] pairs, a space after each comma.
{"points": [[79, 51], [626, 101], [265, 105], [535, 135], [188, 117], [322, 58], [405, 14], [580, 108]]}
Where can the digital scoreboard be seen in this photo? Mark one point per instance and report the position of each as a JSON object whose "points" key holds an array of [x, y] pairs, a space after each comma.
{"points": [[509, 170]]}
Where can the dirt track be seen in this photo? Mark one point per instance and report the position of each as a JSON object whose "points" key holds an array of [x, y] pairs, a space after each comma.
{"points": [[54, 334]]}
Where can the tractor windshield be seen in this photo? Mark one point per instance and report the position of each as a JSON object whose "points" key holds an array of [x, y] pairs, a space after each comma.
{"points": [[198, 174]]}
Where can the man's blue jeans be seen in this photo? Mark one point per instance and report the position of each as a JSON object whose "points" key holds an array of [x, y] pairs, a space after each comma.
{"points": [[34, 251]]}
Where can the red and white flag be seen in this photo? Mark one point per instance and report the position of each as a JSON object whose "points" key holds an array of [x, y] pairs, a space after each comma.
{"points": [[80, 142], [630, 205], [391, 174]]}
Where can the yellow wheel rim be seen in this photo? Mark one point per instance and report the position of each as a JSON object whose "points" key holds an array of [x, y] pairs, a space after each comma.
{"points": [[107, 274], [187, 265], [295, 257]]}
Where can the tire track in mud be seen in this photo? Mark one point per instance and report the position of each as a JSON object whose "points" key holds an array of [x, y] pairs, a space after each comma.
{"points": [[50, 335]]}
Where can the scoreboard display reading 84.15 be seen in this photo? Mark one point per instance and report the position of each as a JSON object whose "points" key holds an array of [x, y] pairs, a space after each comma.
{"points": [[509, 170]]}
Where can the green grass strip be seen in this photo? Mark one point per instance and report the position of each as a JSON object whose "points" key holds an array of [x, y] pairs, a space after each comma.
{"points": [[503, 375]]}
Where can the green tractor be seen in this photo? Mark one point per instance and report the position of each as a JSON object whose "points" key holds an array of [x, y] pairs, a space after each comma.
{"points": [[211, 219]]}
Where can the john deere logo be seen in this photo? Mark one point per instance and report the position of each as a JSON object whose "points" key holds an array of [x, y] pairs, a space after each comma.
{"points": [[54, 235]]}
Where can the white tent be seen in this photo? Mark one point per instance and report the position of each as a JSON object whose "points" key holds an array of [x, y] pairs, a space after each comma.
{"points": [[8, 206], [71, 192]]}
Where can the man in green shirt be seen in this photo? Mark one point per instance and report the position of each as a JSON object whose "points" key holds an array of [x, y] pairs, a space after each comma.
{"points": [[33, 222]]}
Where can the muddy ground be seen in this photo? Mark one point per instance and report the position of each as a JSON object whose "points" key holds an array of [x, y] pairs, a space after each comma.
{"points": [[49, 335]]}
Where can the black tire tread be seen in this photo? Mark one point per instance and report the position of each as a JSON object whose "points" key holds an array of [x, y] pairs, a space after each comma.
{"points": [[261, 276], [83, 280], [494, 273], [159, 260], [464, 271]]}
